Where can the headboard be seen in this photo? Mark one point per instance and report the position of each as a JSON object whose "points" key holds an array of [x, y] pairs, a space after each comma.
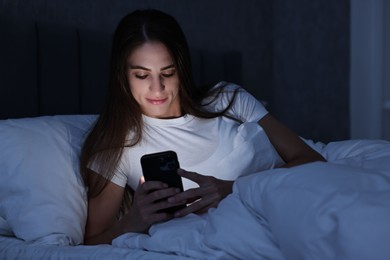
{"points": [[53, 69]]}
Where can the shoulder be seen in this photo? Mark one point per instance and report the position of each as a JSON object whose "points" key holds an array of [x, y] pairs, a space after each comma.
{"points": [[223, 86], [225, 93], [241, 104], [221, 92]]}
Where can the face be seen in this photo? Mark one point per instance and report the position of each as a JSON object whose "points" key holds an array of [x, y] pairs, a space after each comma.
{"points": [[154, 81]]}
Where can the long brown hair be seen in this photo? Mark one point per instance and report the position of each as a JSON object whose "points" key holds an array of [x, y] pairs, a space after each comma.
{"points": [[120, 123]]}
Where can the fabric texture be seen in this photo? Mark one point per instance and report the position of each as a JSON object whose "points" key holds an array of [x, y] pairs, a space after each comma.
{"points": [[338, 209], [245, 106], [313, 211], [206, 146], [42, 196]]}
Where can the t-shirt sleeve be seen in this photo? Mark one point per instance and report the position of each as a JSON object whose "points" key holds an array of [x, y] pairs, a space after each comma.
{"points": [[245, 107], [119, 177]]}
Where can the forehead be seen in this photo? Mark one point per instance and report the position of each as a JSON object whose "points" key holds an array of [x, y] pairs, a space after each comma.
{"points": [[150, 53]]}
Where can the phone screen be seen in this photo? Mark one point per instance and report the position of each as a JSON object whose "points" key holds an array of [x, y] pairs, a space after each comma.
{"points": [[162, 167]]}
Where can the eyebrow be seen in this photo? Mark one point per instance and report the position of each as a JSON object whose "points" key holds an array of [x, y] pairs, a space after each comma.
{"points": [[143, 68]]}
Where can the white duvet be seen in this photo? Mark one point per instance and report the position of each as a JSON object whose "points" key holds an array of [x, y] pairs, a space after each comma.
{"points": [[334, 210]]}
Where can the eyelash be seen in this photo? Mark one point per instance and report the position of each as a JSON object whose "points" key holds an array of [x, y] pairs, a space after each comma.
{"points": [[141, 77], [168, 75]]}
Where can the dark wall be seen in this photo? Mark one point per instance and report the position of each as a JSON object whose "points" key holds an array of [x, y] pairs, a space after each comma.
{"points": [[310, 82], [295, 54]]}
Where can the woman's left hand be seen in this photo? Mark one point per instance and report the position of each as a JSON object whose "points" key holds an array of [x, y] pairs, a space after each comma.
{"points": [[208, 195]]}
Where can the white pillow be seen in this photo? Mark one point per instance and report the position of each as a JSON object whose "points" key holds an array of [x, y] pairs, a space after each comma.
{"points": [[42, 196]]}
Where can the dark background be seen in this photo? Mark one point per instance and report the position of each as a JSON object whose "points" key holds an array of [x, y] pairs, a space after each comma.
{"points": [[294, 54]]}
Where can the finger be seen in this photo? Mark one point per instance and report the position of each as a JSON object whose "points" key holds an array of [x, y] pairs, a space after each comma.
{"points": [[151, 218], [150, 204], [141, 180], [188, 195], [157, 207], [164, 204], [150, 192], [193, 176], [193, 194], [159, 195], [149, 186], [165, 193], [199, 206]]}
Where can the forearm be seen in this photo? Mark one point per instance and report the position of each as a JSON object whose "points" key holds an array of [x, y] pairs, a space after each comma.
{"points": [[107, 236], [312, 157], [122, 226]]}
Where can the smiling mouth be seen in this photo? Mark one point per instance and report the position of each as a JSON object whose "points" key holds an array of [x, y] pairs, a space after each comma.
{"points": [[156, 101]]}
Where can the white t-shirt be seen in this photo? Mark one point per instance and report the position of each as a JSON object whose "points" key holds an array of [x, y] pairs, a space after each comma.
{"points": [[218, 147]]}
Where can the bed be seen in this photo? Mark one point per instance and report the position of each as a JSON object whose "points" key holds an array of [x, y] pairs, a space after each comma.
{"points": [[334, 210]]}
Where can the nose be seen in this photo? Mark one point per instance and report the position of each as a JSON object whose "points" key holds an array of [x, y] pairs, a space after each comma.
{"points": [[157, 85]]}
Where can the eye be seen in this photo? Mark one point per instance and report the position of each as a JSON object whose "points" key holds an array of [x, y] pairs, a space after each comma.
{"points": [[168, 74], [139, 76]]}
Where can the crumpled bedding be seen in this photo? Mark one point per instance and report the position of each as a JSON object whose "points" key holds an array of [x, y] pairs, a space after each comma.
{"points": [[334, 210]]}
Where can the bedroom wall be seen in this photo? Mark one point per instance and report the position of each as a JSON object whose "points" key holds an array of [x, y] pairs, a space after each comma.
{"points": [[310, 62], [294, 54], [386, 83], [370, 66]]}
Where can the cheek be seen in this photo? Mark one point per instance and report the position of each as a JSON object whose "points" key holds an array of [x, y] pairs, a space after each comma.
{"points": [[174, 84], [136, 90]]}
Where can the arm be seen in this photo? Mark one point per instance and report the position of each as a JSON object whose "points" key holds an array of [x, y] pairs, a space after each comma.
{"points": [[290, 147], [102, 226]]}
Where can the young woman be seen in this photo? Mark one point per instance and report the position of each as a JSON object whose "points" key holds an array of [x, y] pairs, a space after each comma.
{"points": [[152, 106]]}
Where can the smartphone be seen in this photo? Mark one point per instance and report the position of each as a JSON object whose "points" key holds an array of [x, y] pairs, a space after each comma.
{"points": [[163, 167]]}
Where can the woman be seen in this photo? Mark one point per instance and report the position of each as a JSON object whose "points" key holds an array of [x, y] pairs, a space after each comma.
{"points": [[152, 106]]}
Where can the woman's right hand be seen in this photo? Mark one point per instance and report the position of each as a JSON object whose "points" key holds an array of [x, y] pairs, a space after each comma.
{"points": [[149, 199]]}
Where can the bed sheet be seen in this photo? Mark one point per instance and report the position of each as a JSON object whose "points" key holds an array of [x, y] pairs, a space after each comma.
{"points": [[334, 210], [13, 248]]}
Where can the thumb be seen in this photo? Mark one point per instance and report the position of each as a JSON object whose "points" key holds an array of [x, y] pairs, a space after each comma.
{"points": [[141, 180]]}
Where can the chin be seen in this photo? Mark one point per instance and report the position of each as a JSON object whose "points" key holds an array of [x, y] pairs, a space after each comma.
{"points": [[156, 115]]}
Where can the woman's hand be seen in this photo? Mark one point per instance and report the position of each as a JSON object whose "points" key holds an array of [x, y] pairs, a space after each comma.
{"points": [[149, 199], [208, 195]]}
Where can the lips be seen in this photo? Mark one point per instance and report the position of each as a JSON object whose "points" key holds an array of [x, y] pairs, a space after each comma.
{"points": [[157, 101]]}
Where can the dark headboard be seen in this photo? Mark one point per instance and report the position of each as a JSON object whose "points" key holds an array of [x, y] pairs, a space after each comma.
{"points": [[52, 69]]}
